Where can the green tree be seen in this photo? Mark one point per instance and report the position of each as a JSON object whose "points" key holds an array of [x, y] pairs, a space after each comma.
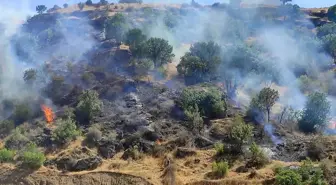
{"points": [[89, 2], [200, 64], [30, 76], [81, 5], [159, 51], [315, 114], [264, 102], [115, 27], [65, 132], [41, 8], [326, 29], [89, 105], [332, 13]]}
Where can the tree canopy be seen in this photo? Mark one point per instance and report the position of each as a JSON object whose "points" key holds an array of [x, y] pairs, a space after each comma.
{"points": [[159, 51], [332, 13], [115, 27], [41, 8]]}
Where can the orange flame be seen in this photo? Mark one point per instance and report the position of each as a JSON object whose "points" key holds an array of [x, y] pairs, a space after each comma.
{"points": [[48, 113], [158, 142]]}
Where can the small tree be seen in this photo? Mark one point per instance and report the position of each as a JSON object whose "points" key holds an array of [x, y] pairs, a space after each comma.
{"points": [[32, 157], [22, 113], [135, 37], [264, 102], [130, 1], [220, 169], [241, 132], [65, 5], [41, 8], [285, 1], [159, 51], [103, 2], [315, 114], [89, 105], [89, 2], [93, 136], [81, 5], [332, 13], [30, 76], [65, 132], [115, 27], [16, 141]]}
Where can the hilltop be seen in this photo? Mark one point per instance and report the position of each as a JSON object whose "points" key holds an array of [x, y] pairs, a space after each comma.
{"points": [[173, 94]]}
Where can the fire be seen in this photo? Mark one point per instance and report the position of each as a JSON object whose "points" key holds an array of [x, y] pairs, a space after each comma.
{"points": [[48, 113]]}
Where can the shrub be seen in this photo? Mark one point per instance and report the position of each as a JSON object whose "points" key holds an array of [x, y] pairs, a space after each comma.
{"points": [[315, 114], [22, 113], [288, 177], [89, 2], [209, 100], [194, 118], [306, 169], [6, 155], [65, 5], [81, 5], [93, 136], [241, 132], [16, 141], [258, 157], [219, 147], [30, 75], [132, 153], [89, 105], [65, 132], [130, 1], [220, 169], [32, 158], [115, 27], [141, 66], [6, 126]]}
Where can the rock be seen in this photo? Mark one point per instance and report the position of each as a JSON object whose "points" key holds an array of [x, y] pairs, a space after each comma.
{"points": [[108, 149], [184, 152], [90, 163], [202, 142]]}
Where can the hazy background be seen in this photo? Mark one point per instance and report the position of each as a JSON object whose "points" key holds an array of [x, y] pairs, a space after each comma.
{"points": [[31, 4]]}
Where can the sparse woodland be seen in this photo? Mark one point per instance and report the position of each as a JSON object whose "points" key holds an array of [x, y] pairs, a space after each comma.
{"points": [[170, 94]]}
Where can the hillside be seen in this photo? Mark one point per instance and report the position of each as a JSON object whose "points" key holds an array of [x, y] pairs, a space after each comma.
{"points": [[172, 94]]}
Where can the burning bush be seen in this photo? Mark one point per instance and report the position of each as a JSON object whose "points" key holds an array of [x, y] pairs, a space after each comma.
{"points": [[89, 105], [65, 132]]}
